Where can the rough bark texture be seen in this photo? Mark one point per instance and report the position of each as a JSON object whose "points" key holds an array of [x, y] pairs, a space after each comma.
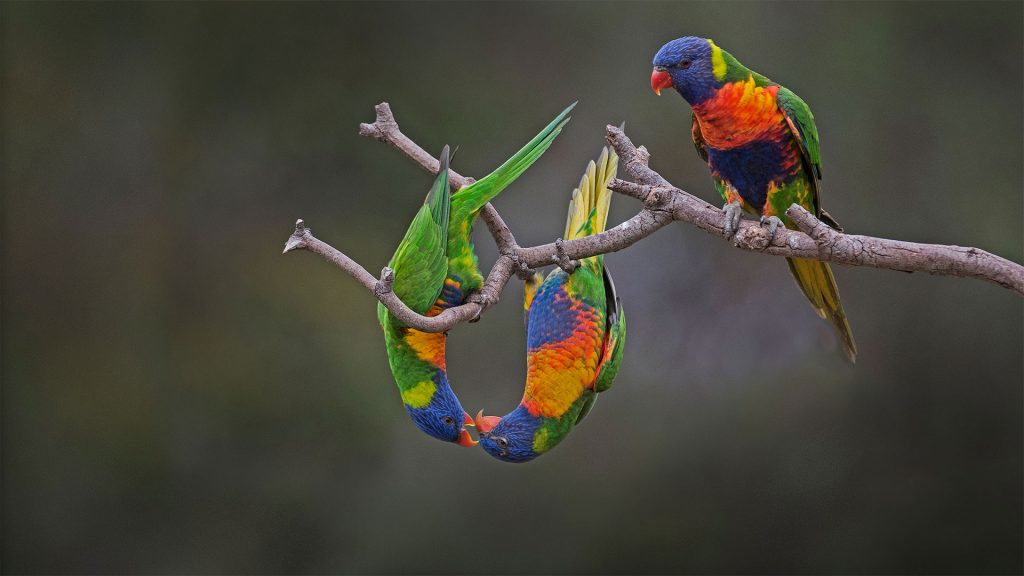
{"points": [[663, 203]]}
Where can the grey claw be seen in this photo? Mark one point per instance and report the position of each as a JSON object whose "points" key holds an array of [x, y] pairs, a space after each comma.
{"points": [[773, 226], [732, 218]]}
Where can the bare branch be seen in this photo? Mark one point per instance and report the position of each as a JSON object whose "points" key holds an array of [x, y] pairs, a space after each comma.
{"points": [[958, 261], [385, 129], [303, 239], [663, 204], [816, 241]]}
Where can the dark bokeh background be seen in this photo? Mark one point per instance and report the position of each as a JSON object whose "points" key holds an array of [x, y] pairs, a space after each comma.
{"points": [[180, 397]]}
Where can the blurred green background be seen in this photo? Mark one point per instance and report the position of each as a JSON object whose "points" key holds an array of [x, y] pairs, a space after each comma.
{"points": [[180, 397]]}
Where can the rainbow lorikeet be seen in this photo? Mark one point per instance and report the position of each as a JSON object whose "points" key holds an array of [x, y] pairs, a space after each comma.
{"points": [[761, 144], [435, 267], [576, 331]]}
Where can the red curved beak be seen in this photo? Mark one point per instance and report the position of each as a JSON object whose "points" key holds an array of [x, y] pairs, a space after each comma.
{"points": [[485, 424], [464, 438], [659, 80]]}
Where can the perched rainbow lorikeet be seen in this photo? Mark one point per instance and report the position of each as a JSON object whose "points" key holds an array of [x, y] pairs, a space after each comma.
{"points": [[435, 267], [575, 334], [761, 144]]}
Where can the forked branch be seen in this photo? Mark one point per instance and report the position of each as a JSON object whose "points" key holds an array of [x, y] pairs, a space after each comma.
{"points": [[663, 203]]}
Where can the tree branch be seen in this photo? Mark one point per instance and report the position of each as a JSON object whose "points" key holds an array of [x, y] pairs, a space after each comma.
{"points": [[816, 240], [662, 204], [303, 239]]}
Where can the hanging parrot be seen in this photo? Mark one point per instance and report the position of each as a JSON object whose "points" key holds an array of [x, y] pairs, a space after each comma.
{"points": [[435, 267], [575, 334], [761, 144]]}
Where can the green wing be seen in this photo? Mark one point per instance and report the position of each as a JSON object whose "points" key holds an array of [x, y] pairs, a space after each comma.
{"points": [[420, 263], [616, 339], [615, 343], [801, 125]]}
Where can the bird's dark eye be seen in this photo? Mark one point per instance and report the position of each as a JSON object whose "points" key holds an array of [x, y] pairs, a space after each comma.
{"points": [[448, 420], [684, 64], [502, 442]]}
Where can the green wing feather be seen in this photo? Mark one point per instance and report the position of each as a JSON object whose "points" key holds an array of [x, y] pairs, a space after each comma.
{"points": [[801, 125], [420, 263], [615, 342]]}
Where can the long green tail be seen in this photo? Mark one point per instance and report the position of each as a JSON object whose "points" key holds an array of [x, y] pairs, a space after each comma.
{"points": [[467, 202], [816, 281]]}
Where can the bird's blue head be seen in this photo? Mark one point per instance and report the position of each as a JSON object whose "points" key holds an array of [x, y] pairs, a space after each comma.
{"points": [[510, 438], [695, 67], [443, 417]]}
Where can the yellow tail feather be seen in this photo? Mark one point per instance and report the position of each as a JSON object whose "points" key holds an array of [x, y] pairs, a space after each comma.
{"points": [[588, 210], [819, 285]]}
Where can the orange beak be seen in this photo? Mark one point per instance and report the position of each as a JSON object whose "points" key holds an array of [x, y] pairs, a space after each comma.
{"points": [[660, 79], [485, 424], [464, 438]]}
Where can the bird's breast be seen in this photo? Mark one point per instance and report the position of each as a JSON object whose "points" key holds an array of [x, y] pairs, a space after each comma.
{"points": [[740, 113], [563, 350]]}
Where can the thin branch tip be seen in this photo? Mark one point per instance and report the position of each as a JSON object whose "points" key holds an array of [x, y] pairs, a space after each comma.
{"points": [[297, 240]]}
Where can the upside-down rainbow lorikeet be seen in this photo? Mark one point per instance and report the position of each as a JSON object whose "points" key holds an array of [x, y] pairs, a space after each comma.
{"points": [[760, 141], [576, 331], [436, 268]]}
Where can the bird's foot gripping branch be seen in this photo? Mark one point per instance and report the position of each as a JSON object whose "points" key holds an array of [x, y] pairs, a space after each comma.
{"points": [[662, 203]]}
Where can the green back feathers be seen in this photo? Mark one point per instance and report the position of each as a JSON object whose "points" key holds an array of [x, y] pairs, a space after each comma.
{"points": [[467, 202], [420, 263], [727, 68]]}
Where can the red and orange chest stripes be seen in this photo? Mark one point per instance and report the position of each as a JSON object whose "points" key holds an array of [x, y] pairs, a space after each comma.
{"points": [[741, 113], [566, 339]]}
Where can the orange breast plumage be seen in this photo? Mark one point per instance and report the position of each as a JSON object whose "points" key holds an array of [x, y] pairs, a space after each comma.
{"points": [[564, 343], [740, 113]]}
